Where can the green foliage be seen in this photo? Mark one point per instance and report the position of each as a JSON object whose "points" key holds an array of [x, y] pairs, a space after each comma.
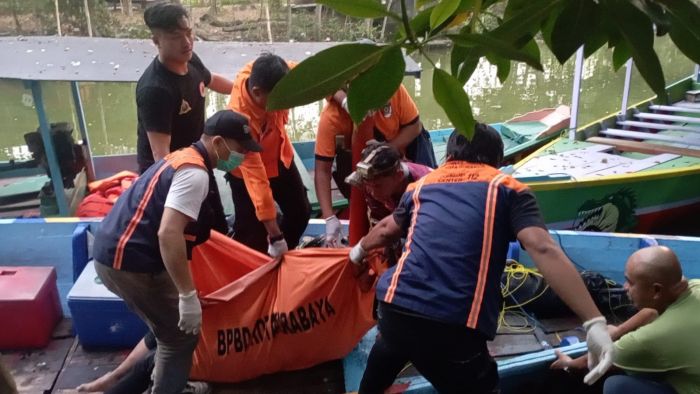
{"points": [[323, 73], [450, 94], [500, 30], [359, 8], [72, 13], [374, 88]]}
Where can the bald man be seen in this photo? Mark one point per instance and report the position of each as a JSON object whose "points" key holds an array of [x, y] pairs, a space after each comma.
{"points": [[659, 354]]}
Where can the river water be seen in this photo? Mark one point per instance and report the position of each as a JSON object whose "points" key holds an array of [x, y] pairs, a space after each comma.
{"points": [[110, 109]]}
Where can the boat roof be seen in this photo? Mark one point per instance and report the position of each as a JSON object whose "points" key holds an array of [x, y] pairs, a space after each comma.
{"points": [[124, 60]]}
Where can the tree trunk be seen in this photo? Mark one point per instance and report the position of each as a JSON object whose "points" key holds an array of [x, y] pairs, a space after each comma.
{"points": [[267, 20], [289, 20], [126, 7], [319, 18], [15, 17], [58, 18], [87, 16], [213, 7]]}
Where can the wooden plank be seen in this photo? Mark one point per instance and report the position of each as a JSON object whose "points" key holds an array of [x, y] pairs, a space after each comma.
{"points": [[644, 147], [642, 135], [36, 371], [82, 366], [323, 378], [658, 126], [667, 118], [686, 104], [670, 108]]}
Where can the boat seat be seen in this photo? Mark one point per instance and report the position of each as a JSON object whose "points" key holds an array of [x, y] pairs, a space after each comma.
{"points": [[641, 135], [593, 160], [668, 118], [686, 104], [670, 108], [657, 126], [644, 147]]}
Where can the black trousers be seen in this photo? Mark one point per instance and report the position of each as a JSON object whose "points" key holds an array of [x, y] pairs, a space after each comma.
{"points": [[290, 194], [453, 358], [138, 378]]}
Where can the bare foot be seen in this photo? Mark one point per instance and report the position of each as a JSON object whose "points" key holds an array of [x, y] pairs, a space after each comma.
{"points": [[102, 383]]}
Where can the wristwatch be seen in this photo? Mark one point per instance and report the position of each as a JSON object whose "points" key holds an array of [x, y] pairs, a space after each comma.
{"points": [[276, 238]]}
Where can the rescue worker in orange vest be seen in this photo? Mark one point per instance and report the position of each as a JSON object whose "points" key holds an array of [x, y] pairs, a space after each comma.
{"points": [[397, 123], [270, 176], [143, 246], [439, 305]]}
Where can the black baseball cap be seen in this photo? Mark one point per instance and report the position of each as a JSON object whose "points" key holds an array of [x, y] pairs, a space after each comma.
{"points": [[232, 125]]}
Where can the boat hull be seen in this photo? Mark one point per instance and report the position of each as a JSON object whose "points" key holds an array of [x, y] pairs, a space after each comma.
{"points": [[605, 253]]}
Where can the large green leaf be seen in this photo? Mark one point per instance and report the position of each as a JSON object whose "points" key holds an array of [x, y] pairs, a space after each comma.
{"points": [[468, 67], [597, 35], [637, 30], [359, 8], [322, 74], [374, 87], [684, 17], [498, 47], [531, 48], [621, 54], [526, 20], [571, 28], [450, 94], [466, 5], [502, 66], [442, 12], [513, 7], [656, 13], [422, 4]]}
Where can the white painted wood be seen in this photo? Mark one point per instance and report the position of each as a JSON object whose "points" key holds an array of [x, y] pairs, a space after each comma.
{"points": [[671, 108], [668, 118], [658, 126], [641, 135], [595, 160]]}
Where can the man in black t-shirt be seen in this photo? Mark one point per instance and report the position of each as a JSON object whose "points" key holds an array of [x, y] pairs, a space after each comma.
{"points": [[170, 93]]}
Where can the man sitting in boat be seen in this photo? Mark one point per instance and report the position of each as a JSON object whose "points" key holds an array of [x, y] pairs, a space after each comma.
{"points": [[142, 247], [657, 353], [397, 123], [271, 176], [439, 305], [170, 93]]}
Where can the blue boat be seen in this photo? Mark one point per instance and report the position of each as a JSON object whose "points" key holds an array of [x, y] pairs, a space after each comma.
{"points": [[605, 253]]}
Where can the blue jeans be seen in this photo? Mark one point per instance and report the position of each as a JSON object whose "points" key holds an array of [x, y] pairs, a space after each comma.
{"points": [[635, 384]]}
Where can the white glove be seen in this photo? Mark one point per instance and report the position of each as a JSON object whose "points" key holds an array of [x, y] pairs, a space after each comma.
{"points": [[334, 232], [277, 248], [600, 349], [190, 313], [357, 254], [344, 104]]}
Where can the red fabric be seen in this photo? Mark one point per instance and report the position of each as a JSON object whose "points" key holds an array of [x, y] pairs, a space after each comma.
{"points": [[103, 194], [359, 223], [262, 316]]}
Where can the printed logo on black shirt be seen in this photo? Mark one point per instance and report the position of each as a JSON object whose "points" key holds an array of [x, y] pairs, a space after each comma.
{"points": [[185, 107]]}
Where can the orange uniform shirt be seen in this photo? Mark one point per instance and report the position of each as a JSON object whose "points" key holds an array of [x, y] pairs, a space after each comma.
{"points": [[399, 112], [268, 129]]}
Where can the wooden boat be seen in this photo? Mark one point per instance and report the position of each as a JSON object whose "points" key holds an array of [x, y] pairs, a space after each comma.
{"points": [[637, 173], [63, 244], [524, 355]]}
